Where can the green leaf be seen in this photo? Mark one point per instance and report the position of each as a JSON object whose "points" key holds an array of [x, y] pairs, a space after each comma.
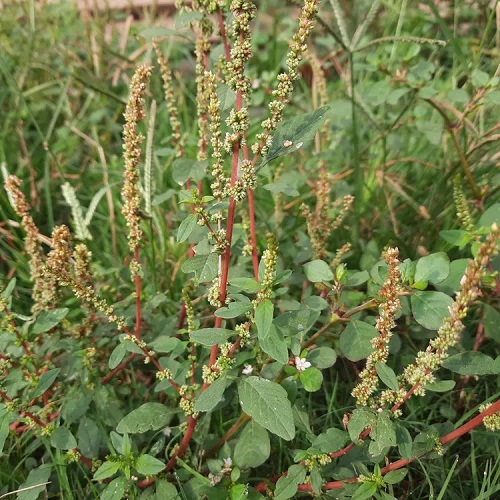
{"points": [[287, 486], [387, 375], [246, 284], [491, 321], [452, 283], [36, 482], [288, 184], [471, 363], [210, 336], [203, 266], [148, 417], [148, 465], [263, 318], [311, 379], [267, 403], [45, 381], [274, 344], [441, 386], [403, 439], [7, 291], [63, 439], [46, 320], [358, 278], [383, 434], [292, 134], [430, 308], [330, 441], [88, 436], [395, 476], [365, 491], [479, 78], [322, 357], [186, 228], [355, 340], [456, 237], [318, 271], [233, 310], [166, 344], [211, 396], [116, 356], [316, 303], [115, 490], [433, 268], [5, 417], [490, 216], [297, 322], [184, 169], [361, 418], [107, 469], [253, 446]]}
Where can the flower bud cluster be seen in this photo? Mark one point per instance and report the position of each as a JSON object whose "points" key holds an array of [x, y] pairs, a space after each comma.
{"points": [[202, 49], [164, 374], [220, 179], [285, 80], [270, 259], [462, 206], [315, 460], [389, 293], [214, 294], [243, 331], [422, 371], [320, 224], [72, 456], [211, 373], [241, 51], [189, 308], [168, 91], [82, 257], [134, 113], [491, 422], [239, 123], [43, 292]]}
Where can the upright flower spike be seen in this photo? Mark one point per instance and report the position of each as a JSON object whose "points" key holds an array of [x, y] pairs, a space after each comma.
{"points": [[132, 140], [390, 291], [168, 91], [43, 293], [421, 373], [284, 90]]}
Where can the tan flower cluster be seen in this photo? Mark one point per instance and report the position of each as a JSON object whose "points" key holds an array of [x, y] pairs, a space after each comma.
{"points": [[243, 12], [320, 224], [422, 371], [43, 293], [168, 91], [389, 293], [132, 140], [285, 80], [270, 259], [203, 88], [462, 206]]}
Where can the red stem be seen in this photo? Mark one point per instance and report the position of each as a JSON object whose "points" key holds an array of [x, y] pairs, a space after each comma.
{"points": [[138, 284]]}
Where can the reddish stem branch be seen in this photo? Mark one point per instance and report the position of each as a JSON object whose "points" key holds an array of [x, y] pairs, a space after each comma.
{"points": [[138, 286]]}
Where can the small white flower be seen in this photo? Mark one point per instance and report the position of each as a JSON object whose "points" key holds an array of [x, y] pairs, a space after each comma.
{"points": [[301, 363], [247, 370], [228, 462], [256, 83], [167, 431], [287, 144]]}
